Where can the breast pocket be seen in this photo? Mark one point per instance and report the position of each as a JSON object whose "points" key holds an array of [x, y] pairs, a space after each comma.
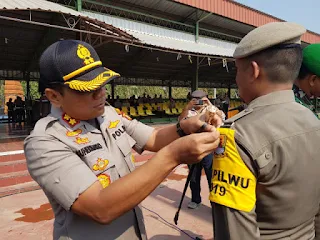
{"points": [[125, 144], [98, 159]]}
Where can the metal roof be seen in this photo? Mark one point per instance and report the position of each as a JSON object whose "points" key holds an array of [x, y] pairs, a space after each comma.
{"points": [[219, 26], [36, 5], [243, 14], [167, 38], [183, 45], [29, 26]]}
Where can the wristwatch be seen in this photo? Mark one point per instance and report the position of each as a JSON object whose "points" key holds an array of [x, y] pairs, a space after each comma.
{"points": [[180, 131]]}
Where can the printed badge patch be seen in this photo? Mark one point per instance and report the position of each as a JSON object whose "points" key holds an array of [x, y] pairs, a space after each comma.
{"points": [[105, 180], [100, 164]]}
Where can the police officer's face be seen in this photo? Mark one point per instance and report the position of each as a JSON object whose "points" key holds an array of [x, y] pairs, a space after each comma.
{"points": [[82, 106]]}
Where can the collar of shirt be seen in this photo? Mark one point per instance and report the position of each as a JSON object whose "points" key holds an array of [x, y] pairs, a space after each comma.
{"points": [[58, 114], [273, 98], [298, 92], [302, 98]]}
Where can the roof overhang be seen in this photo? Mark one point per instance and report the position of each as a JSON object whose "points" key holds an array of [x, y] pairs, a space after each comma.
{"points": [[28, 27], [169, 39]]}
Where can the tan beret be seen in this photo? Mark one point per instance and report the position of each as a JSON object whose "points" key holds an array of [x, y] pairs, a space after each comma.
{"points": [[267, 36]]}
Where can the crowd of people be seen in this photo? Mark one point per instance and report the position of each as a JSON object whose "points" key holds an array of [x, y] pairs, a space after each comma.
{"points": [[16, 110], [134, 101]]}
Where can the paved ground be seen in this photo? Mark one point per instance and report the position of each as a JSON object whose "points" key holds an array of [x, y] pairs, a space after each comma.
{"points": [[29, 216]]}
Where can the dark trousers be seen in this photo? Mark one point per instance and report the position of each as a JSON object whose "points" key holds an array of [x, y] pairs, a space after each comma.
{"points": [[225, 109], [195, 186], [11, 117]]}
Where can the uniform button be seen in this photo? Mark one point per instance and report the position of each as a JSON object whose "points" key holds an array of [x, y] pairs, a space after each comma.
{"points": [[246, 110], [57, 180], [268, 155]]}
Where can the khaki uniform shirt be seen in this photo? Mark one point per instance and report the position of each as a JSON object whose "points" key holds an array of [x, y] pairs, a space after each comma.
{"points": [[66, 156], [278, 142]]}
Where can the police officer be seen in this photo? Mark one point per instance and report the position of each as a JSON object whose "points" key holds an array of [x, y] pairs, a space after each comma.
{"points": [[80, 154], [308, 83], [265, 182]]}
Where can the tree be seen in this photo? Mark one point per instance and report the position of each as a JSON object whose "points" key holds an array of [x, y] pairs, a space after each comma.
{"points": [[34, 93]]}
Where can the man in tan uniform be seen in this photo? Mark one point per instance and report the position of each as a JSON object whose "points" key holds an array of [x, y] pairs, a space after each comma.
{"points": [[265, 182], [80, 154]]}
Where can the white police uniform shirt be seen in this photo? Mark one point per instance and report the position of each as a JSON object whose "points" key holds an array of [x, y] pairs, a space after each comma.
{"points": [[66, 156]]}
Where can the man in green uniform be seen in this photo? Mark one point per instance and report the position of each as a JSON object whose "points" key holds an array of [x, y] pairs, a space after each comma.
{"points": [[265, 182], [308, 83]]}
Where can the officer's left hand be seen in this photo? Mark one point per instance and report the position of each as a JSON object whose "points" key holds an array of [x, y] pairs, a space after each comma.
{"points": [[195, 124]]}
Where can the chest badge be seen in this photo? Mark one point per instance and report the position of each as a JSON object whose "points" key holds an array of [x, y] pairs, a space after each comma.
{"points": [[105, 180], [113, 124], [74, 133], [100, 165], [80, 140]]}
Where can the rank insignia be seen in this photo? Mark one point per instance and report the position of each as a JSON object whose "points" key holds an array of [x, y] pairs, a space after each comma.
{"points": [[105, 180], [114, 124], [74, 133], [69, 120], [100, 165], [123, 114], [80, 140]]}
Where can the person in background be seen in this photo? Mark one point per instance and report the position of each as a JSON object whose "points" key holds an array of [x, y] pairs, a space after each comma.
{"points": [[225, 104], [217, 101], [126, 103], [10, 106], [189, 96], [139, 101], [194, 108], [172, 103], [19, 110], [307, 84], [118, 103]]}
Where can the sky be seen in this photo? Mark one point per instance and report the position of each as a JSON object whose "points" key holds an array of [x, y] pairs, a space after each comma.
{"points": [[304, 12]]}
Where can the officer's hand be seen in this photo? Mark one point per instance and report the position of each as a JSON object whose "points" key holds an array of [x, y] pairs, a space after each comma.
{"points": [[195, 124], [191, 103], [216, 119], [206, 101], [193, 148]]}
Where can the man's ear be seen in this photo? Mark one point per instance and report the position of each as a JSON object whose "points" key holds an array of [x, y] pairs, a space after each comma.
{"points": [[256, 71], [54, 97], [312, 79]]}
